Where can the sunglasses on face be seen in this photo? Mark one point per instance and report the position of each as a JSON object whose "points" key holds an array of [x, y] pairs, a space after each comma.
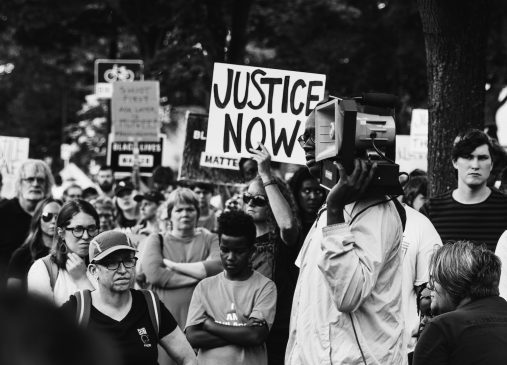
{"points": [[257, 200], [304, 138], [47, 217]]}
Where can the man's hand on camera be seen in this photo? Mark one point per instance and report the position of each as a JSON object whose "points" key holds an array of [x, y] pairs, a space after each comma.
{"points": [[349, 189]]}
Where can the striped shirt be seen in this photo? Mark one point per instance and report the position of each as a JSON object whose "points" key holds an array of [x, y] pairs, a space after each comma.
{"points": [[480, 223]]}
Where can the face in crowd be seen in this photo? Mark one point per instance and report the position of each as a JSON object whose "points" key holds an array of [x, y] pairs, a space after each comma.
{"points": [[73, 193], [235, 253], [78, 233], [116, 272], [311, 196], [148, 209], [183, 217], [48, 218], [204, 197], [105, 180], [474, 169], [307, 142], [106, 218], [33, 183], [125, 199], [256, 202]]}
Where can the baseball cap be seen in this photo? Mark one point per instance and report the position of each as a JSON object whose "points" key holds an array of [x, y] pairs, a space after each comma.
{"points": [[152, 196], [122, 186], [108, 242]]}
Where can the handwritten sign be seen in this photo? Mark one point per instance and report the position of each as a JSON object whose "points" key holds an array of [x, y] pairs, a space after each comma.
{"points": [[407, 158], [198, 165], [13, 152], [250, 105], [419, 131], [134, 111]]}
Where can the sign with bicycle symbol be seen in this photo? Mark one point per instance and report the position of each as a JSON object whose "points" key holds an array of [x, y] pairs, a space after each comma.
{"points": [[109, 71]]}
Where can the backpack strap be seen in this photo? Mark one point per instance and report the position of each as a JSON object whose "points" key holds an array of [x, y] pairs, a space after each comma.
{"points": [[84, 305], [52, 269], [153, 308]]}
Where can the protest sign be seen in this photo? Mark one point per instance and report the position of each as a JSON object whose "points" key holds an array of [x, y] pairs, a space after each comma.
{"points": [[407, 158], [121, 156], [419, 131], [135, 111], [198, 165], [251, 104], [13, 152]]}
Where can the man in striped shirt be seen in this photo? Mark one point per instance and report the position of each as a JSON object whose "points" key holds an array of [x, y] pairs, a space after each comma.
{"points": [[473, 211]]}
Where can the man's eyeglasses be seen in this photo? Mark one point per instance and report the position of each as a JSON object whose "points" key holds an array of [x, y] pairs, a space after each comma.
{"points": [[115, 265], [78, 231], [257, 200], [47, 217], [304, 138], [105, 215], [308, 191], [30, 180]]}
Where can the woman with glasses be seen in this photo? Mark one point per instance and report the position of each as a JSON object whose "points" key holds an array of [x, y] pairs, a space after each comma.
{"points": [[310, 197], [37, 244], [63, 271], [270, 203], [175, 262]]}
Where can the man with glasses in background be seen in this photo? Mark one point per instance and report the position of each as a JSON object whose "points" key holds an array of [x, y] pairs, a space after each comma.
{"points": [[122, 314], [34, 182]]}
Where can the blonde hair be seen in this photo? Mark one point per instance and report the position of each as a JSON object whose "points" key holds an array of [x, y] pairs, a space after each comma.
{"points": [[40, 167]]}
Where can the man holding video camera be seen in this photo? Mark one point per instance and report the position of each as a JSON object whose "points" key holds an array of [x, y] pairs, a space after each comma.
{"points": [[347, 303]]}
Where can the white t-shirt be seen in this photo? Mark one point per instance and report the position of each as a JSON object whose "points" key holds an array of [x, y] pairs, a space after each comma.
{"points": [[39, 283], [420, 239]]}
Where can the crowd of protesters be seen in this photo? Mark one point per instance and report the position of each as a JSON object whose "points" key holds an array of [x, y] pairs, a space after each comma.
{"points": [[276, 271]]}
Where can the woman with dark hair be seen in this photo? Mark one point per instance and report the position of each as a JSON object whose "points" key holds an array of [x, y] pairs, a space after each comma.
{"points": [[309, 196], [471, 323], [270, 203], [415, 192], [37, 244], [63, 271]]}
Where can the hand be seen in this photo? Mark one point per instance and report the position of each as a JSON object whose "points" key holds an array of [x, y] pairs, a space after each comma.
{"points": [[349, 188], [207, 322], [169, 264], [263, 159], [254, 322], [75, 266]]}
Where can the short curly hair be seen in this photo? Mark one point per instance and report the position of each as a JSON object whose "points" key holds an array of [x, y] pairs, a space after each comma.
{"points": [[237, 223]]}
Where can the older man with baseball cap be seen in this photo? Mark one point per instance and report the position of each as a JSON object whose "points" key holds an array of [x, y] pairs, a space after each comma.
{"points": [[123, 313]]}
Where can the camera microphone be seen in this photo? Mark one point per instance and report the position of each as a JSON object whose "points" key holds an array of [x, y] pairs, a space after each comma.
{"points": [[378, 99]]}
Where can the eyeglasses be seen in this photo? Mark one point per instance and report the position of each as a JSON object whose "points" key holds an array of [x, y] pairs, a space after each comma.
{"points": [[115, 265], [257, 200], [105, 215], [75, 196], [304, 138], [308, 191], [30, 180], [47, 217], [78, 231]]}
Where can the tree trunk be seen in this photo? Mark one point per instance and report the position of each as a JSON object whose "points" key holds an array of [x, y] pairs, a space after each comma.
{"points": [[455, 33]]}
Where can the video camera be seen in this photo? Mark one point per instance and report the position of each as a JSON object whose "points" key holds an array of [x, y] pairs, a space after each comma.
{"points": [[361, 127]]}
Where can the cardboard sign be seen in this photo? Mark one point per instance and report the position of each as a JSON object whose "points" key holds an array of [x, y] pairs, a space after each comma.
{"points": [[250, 105], [419, 131], [198, 165], [13, 152], [408, 159], [121, 157], [134, 111]]}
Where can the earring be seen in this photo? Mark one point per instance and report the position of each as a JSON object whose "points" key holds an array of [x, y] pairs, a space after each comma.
{"points": [[63, 248]]}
